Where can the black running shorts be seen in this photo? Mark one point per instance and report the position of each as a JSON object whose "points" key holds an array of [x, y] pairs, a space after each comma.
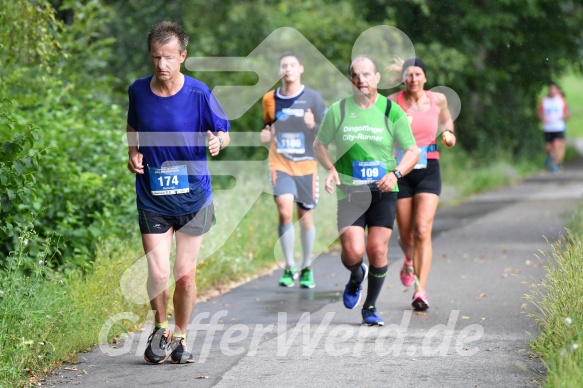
{"points": [[379, 212], [195, 224], [550, 136], [423, 180]]}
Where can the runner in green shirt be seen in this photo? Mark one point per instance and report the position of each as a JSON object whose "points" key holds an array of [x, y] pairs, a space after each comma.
{"points": [[366, 172]]}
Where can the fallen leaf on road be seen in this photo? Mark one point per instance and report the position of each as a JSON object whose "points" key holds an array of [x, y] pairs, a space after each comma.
{"points": [[512, 270], [70, 368], [201, 377], [481, 296], [523, 306], [465, 317]]}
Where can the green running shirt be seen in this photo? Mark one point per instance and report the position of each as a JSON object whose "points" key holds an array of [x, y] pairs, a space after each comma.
{"points": [[364, 145]]}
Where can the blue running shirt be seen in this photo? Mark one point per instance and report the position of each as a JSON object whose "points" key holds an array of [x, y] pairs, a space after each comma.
{"points": [[172, 132]]}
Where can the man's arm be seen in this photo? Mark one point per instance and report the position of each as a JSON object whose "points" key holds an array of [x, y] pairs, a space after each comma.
{"points": [[268, 105], [318, 110], [135, 156], [410, 158], [323, 156], [218, 142]]}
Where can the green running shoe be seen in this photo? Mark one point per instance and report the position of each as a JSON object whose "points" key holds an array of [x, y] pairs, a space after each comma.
{"points": [[307, 278], [289, 275]]}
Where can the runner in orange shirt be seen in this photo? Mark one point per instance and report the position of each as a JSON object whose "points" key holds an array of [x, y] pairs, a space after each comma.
{"points": [[292, 117]]}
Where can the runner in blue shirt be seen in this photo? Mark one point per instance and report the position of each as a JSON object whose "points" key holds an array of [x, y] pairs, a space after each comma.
{"points": [[170, 118]]}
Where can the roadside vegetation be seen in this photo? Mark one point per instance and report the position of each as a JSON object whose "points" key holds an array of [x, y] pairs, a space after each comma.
{"points": [[559, 310], [558, 297], [68, 232]]}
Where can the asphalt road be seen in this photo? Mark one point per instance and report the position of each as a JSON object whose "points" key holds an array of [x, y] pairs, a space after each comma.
{"points": [[487, 251]]}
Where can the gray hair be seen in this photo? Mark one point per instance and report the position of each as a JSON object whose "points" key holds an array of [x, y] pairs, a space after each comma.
{"points": [[360, 57]]}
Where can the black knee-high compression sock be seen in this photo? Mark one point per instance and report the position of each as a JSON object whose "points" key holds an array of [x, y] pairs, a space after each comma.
{"points": [[356, 272], [376, 278]]}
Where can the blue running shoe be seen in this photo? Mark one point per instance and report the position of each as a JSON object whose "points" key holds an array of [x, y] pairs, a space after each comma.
{"points": [[353, 291], [370, 317]]}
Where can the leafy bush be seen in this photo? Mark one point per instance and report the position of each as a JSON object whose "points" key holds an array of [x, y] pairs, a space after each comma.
{"points": [[79, 176], [18, 175]]}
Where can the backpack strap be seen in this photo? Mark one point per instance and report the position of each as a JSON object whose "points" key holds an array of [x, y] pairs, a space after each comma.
{"points": [[387, 111]]}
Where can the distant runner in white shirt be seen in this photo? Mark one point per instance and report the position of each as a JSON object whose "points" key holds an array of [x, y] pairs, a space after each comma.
{"points": [[553, 111]]}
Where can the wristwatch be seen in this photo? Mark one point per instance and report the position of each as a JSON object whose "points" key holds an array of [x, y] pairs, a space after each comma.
{"points": [[220, 143], [398, 174]]}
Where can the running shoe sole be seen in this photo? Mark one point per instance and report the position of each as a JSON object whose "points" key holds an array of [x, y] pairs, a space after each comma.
{"points": [[420, 303]]}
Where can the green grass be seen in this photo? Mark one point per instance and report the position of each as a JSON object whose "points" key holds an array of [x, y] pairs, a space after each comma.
{"points": [[463, 175], [572, 85], [558, 297], [559, 314], [47, 318]]}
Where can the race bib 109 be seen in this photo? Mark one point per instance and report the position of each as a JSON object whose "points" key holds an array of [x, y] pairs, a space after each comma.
{"points": [[367, 172]]}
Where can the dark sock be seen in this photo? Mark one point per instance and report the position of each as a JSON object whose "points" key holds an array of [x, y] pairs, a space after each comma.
{"points": [[356, 272], [376, 278]]}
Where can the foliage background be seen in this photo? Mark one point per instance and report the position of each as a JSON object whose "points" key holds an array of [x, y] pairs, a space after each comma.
{"points": [[67, 210], [67, 66]]}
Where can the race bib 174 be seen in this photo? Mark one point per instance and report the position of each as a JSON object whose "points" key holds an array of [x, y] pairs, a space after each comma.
{"points": [[168, 180]]}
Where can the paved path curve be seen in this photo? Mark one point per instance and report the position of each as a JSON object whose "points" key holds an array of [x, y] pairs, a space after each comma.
{"points": [[474, 335]]}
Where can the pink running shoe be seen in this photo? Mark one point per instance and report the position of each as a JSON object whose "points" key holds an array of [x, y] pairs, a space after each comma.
{"points": [[420, 302], [407, 273]]}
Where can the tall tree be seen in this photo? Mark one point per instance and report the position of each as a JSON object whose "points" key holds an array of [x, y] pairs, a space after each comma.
{"points": [[509, 50]]}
